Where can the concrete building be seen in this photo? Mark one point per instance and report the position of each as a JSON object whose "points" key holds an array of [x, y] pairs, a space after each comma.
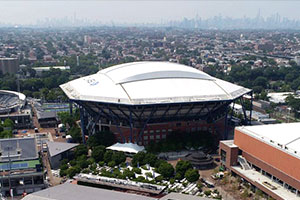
{"points": [[47, 119], [9, 65], [20, 168], [267, 156], [57, 151]]}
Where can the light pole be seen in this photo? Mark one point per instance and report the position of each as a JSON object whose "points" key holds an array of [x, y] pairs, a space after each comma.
{"points": [[8, 148], [289, 115]]}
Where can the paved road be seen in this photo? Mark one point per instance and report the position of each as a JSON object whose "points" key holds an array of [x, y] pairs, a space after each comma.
{"points": [[52, 179]]}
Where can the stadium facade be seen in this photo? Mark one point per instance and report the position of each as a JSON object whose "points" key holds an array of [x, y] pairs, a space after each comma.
{"points": [[143, 101], [11, 101], [13, 106]]}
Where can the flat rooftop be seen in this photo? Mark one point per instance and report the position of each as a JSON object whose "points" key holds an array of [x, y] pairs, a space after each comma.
{"points": [[229, 143], [56, 148], [70, 191], [283, 136], [259, 179], [178, 196]]}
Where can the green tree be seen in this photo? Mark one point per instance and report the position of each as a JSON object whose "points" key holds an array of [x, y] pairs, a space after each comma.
{"points": [[150, 159], [166, 170], [98, 153], [182, 166], [118, 157], [260, 81], [81, 150], [72, 171], [75, 132], [192, 175], [108, 156], [6, 134], [8, 123], [138, 158]]}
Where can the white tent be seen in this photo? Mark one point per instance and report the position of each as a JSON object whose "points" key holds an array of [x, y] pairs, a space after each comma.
{"points": [[126, 147]]}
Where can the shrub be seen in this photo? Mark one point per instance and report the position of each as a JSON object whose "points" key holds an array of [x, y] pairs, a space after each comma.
{"points": [[73, 162], [149, 174], [207, 192], [137, 170], [172, 180], [112, 164], [129, 174], [63, 173], [101, 163], [159, 178]]}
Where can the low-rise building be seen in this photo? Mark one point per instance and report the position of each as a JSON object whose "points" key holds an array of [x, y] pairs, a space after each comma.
{"points": [[57, 151]]}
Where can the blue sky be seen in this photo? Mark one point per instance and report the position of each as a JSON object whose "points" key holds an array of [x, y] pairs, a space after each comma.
{"points": [[134, 11]]}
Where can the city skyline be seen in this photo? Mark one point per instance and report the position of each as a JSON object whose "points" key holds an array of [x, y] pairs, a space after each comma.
{"points": [[139, 12]]}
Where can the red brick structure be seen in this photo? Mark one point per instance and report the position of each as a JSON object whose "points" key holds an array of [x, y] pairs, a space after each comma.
{"points": [[272, 150]]}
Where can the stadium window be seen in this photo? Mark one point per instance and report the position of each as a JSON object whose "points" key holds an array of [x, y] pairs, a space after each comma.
{"points": [[164, 130], [170, 130], [240, 152], [163, 136], [145, 131], [145, 137], [157, 136], [152, 131], [157, 131], [151, 137]]}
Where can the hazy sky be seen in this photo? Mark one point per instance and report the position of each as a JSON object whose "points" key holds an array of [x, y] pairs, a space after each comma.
{"points": [[141, 11]]}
